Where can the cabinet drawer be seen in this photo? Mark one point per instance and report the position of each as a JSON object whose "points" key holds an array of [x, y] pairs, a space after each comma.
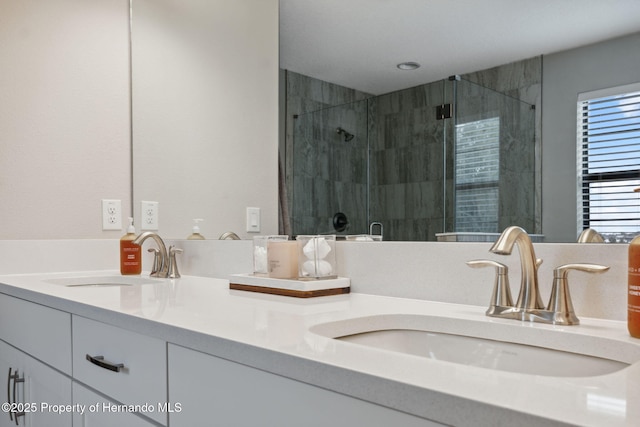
{"points": [[43, 332], [207, 390], [142, 378]]}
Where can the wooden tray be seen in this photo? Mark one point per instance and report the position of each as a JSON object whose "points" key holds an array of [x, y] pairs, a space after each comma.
{"points": [[290, 288]]}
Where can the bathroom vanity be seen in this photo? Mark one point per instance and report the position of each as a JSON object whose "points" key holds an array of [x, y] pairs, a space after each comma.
{"points": [[176, 352]]}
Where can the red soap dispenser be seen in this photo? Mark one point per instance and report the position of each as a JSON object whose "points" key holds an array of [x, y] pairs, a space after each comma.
{"points": [[130, 256]]}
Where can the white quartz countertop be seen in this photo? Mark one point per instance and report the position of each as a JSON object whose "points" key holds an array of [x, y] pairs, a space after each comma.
{"points": [[273, 333]]}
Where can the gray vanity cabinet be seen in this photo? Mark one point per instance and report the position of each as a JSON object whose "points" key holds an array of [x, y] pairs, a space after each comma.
{"points": [[35, 364]]}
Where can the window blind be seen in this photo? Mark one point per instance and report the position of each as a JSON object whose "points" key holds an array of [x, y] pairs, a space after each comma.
{"points": [[609, 164], [477, 174]]}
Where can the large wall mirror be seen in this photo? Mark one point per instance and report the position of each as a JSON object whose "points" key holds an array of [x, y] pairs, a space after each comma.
{"points": [[494, 93], [206, 149], [205, 113], [363, 139]]}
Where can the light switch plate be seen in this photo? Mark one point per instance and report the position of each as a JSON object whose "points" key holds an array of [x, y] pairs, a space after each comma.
{"points": [[253, 220]]}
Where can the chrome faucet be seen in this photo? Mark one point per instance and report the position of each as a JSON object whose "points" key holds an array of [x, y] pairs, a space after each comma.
{"points": [[529, 297], [164, 262], [559, 310]]}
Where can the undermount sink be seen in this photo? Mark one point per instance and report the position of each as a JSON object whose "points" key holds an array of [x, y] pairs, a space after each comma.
{"points": [[102, 281], [490, 354], [485, 345]]}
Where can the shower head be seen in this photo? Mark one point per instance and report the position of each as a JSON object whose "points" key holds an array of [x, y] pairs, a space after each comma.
{"points": [[347, 136]]}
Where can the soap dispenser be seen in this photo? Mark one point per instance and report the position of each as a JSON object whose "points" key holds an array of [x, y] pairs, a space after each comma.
{"points": [[130, 257], [633, 291], [195, 232]]}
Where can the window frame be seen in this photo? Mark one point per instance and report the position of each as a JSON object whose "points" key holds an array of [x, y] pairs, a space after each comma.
{"points": [[586, 178]]}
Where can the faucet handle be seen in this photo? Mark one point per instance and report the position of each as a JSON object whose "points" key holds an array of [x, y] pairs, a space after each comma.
{"points": [[560, 301], [157, 261], [173, 263], [501, 296]]}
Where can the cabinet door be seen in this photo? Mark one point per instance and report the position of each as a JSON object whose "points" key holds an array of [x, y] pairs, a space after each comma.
{"points": [[40, 390], [7, 355], [206, 390], [95, 410]]}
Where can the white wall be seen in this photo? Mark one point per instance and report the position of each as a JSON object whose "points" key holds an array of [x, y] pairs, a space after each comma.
{"points": [[208, 141], [565, 75], [205, 104], [64, 116]]}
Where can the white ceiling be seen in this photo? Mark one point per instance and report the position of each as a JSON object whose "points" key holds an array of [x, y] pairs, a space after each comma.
{"points": [[358, 43]]}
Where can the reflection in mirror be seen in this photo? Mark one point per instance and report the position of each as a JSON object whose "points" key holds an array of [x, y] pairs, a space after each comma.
{"points": [[330, 171], [60, 154], [239, 110], [417, 172], [352, 53], [589, 235], [205, 111]]}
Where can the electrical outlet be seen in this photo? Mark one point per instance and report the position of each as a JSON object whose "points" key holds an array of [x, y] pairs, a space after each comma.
{"points": [[111, 214], [148, 215]]}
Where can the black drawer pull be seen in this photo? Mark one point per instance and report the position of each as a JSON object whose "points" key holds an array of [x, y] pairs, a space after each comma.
{"points": [[99, 361]]}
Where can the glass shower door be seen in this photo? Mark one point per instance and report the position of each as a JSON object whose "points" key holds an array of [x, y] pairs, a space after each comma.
{"points": [[407, 162], [494, 178], [330, 171]]}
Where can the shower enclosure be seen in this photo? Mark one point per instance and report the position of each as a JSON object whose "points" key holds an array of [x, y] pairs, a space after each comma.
{"points": [[331, 169], [449, 156]]}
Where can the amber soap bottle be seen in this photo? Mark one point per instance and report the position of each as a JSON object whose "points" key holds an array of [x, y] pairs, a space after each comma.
{"points": [[633, 292], [130, 256]]}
